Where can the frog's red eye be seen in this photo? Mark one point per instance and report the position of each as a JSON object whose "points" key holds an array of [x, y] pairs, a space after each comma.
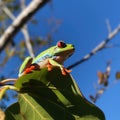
{"points": [[61, 44]]}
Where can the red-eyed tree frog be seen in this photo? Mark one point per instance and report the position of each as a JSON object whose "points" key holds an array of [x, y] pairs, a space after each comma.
{"points": [[54, 56]]}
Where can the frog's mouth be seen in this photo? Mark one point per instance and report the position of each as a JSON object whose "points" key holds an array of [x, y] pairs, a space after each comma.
{"points": [[62, 56]]}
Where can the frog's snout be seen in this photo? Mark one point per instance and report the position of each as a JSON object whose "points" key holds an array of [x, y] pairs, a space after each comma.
{"points": [[73, 47]]}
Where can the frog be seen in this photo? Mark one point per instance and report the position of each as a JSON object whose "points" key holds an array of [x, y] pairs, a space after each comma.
{"points": [[52, 57]]}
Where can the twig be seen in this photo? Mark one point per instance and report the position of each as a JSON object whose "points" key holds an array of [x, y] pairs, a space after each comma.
{"points": [[96, 49], [12, 30], [24, 29], [27, 41], [26, 34], [3, 82], [108, 26]]}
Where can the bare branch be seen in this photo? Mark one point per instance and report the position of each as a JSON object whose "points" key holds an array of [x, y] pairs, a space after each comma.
{"points": [[108, 26], [3, 82], [24, 28], [27, 41], [26, 34], [29, 11], [6, 10], [97, 48]]}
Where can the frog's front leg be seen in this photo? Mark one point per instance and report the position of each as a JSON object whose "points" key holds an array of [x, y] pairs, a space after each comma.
{"points": [[52, 63]]}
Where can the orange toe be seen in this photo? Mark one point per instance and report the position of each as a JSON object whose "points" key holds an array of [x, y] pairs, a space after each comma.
{"points": [[65, 71], [29, 70], [49, 66]]}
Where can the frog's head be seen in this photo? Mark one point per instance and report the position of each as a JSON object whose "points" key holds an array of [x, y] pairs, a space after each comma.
{"points": [[62, 51]]}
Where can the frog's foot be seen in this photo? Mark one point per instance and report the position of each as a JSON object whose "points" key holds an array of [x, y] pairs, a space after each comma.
{"points": [[65, 71], [52, 63], [49, 66], [29, 69]]}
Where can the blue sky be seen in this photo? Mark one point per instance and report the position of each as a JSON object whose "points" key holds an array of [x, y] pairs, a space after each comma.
{"points": [[84, 25]]}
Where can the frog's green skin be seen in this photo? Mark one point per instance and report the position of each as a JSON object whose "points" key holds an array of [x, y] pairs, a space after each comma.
{"points": [[55, 56]]}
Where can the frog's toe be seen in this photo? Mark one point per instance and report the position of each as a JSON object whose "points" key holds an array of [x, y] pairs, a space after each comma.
{"points": [[29, 69], [49, 67], [65, 71]]}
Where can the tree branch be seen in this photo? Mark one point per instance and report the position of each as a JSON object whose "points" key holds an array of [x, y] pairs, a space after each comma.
{"points": [[24, 28], [108, 26], [26, 34], [96, 49], [11, 31], [3, 82]]}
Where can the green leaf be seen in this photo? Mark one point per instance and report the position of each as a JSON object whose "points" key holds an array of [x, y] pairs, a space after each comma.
{"points": [[52, 96], [2, 91], [13, 112], [5, 88]]}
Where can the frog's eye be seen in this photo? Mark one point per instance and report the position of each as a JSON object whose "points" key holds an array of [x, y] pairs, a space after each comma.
{"points": [[61, 44]]}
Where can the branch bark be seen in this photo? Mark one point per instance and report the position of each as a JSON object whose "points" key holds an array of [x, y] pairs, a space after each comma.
{"points": [[12, 30], [23, 29], [26, 33], [97, 48]]}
